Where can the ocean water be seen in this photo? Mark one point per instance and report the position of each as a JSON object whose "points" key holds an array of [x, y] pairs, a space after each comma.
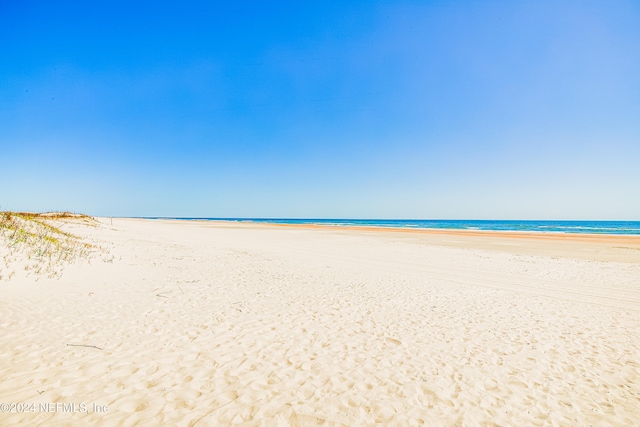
{"points": [[579, 227]]}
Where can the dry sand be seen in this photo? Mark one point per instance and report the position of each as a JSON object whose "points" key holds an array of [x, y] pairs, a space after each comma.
{"points": [[219, 323]]}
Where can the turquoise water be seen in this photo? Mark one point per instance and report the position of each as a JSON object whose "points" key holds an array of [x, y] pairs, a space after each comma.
{"points": [[579, 227]]}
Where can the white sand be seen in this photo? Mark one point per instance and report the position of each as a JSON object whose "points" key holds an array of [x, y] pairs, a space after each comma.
{"points": [[219, 324]]}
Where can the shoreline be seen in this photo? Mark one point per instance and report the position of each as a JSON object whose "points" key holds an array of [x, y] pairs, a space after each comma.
{"points": [[634, 238], [595, 247]]}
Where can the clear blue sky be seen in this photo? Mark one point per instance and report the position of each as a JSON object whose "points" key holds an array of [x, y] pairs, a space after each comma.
{"points": [[356, 109]]}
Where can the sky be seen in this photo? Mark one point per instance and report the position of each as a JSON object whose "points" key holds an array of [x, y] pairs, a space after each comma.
{"points": [[330, 109]]}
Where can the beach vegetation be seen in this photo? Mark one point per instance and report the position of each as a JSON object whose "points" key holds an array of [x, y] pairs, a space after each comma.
{"points": [[38, 242]]}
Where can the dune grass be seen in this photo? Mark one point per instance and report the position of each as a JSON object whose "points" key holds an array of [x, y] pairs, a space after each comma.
{"points": [[37, 240]]}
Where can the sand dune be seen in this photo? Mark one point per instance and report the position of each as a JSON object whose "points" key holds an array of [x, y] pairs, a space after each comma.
{"points": [[221, 324]]}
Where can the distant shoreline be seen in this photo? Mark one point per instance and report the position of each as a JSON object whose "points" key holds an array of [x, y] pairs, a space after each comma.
{"points": [[595, 247], [537, 227]]}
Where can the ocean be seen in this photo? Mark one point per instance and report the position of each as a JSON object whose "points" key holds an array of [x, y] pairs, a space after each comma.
{"points": [[578, 227]]}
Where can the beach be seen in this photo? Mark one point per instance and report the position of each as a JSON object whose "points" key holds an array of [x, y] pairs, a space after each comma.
{"points": [[204, 323]]}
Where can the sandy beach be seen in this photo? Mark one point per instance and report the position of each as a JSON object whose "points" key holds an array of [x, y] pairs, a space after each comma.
{"points": [[213, 323]]}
